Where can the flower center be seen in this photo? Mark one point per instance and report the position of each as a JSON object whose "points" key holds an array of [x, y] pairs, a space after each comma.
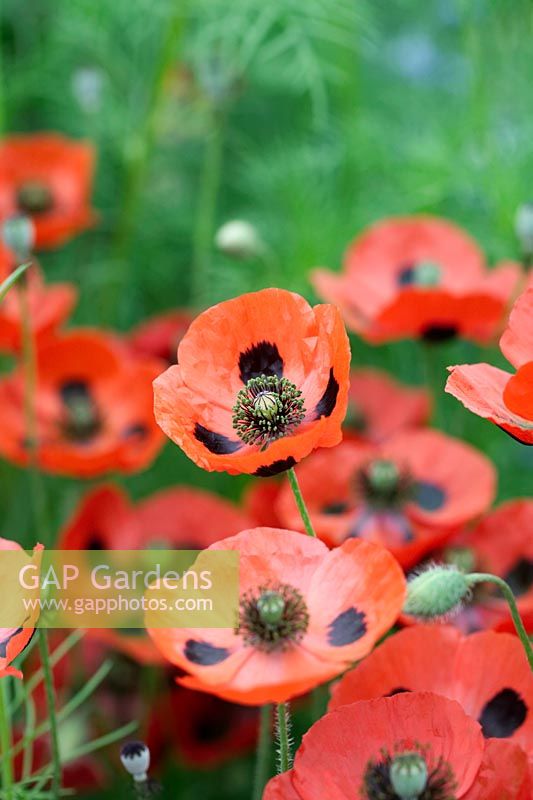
{"points": [[272, 618], [34, 197], [267, 409], [382, 484], [421, 273], [406, 776], [81, 419]]}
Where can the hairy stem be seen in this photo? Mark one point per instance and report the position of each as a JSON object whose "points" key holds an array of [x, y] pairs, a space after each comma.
{"points": [[282, 731]]}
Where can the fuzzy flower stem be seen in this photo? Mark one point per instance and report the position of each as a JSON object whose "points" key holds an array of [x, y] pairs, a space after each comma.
{"points": [[5, 741], [282, 731], [481, 577], [51, 703], [262, 757], [300, 502]]}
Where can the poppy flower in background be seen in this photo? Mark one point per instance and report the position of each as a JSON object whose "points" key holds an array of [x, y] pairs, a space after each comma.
{"points": [[495, 394], [260, 502], [443, 746], [200, 729], [305, 614], [419, 277], [379, 406], [14, 640], [179, 518], [160, 336], [410, 494], [262, 380], [93, 408], [502, 544], [50, 305], [48, 178], [487, 673]]}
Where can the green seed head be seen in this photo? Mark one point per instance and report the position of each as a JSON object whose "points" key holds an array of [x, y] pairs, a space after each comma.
{"points": [[271, 606], [267, 405], [408, 775], [427, 274], [383, 475], [437, 592]]}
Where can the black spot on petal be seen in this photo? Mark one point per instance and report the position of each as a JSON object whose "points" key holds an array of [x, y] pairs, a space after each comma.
{"points": [[429, 496], [95, 542], [439, 333], [503, 715], [520, 577], [275, 468], [347, 628], [335, 508], [406, 275], [215, 442], [327, 402], [397, 690], [203, 653], [262, 358], [135, 431]]}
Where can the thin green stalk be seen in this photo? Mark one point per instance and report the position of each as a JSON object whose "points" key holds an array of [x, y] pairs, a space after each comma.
{"points": [[300, 502], [55, 657], [30, 719], [435, 377], [12, 278], [262, 757], [51, 703], [204, 228], [282, 730], [481, 577], [5, 739], [139, 153]]}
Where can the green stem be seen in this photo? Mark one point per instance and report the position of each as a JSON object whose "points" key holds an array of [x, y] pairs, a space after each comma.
{"points": [[435, 378], [5, 740], [262, 757], [300, 502], [481, 577], [204, 229], [51, 703], [12, 278], [138, 157], [282, 730]]}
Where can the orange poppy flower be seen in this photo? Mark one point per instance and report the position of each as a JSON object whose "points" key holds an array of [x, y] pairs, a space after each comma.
{"points": [[48, 178], [305, 614], [379, 406], [93, 408], [160, 336], [50, 305], [260, 502], [178, 518], [14, 640], [495, 394], [262, 380], [486, 673], [357, 751], [410, 494], [418, 277]]}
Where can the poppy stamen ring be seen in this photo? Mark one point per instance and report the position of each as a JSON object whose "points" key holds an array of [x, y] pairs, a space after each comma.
{"points": [[267, 409], [405, 774], [34, 197], [272, 618]]}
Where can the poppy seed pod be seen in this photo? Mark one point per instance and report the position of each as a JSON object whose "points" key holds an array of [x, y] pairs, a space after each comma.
{"points": [[135, 758], [18, 234], [437, 592], [524, 227], [408, 775], [239, 239]]}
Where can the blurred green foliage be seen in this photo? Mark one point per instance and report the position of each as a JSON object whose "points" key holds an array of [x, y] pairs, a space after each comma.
{"points": [[308, 119]]}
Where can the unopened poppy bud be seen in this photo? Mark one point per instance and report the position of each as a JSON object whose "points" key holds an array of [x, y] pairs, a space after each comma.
{"points": [[267, 405], [18, 234], [135, 758], [239, 239], [271, 606], [437, 592], [427, 274], [408, 775], [383, 474], [524, 228]]}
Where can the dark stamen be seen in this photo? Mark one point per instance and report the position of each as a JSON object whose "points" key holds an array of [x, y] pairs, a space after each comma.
{"points": [[377, 785], [267, 409], [34, 197], [273, 617], [81, 418], [383, 485]]}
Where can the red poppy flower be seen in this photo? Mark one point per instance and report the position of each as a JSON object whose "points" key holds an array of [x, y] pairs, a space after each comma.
{"points": [[260, 502], [160, 336], [48, 178], [418, 277], [379, 406], [410, 494], [305, 614], [199, 729], [262, 380], [93, 407], [495, 394], [487, 673], [14, 640], [502, 544], [178, 518], [356, 750], [49, 306]]}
